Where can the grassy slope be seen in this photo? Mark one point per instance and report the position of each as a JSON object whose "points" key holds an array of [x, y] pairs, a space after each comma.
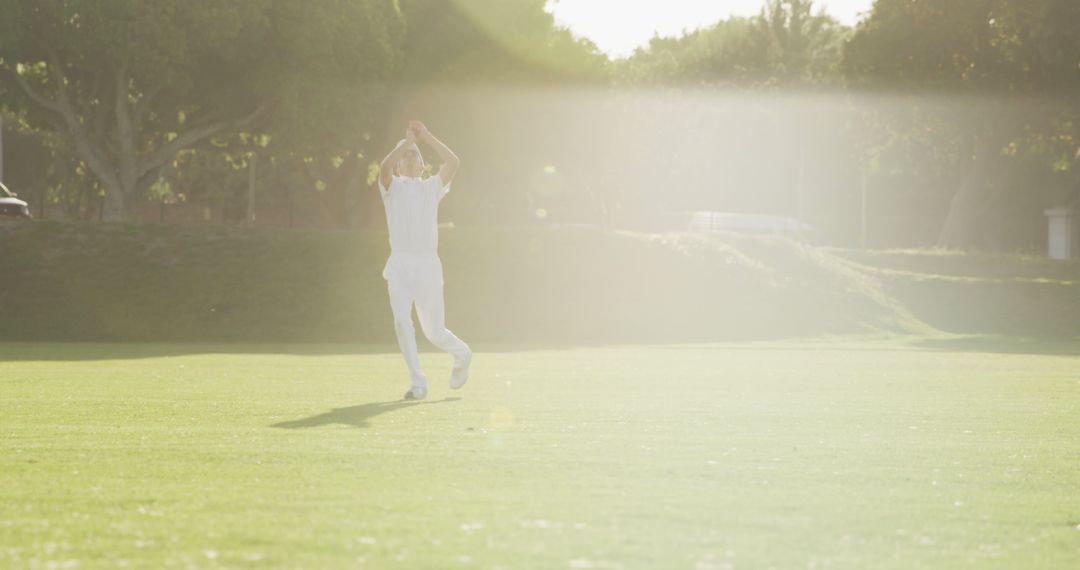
{"points": [[527, 285], [871, 455], [978, 293]]}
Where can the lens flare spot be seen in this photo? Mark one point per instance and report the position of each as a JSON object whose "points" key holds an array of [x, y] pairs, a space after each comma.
{"points": [[541, 214], [501, 419], [546, 181]]}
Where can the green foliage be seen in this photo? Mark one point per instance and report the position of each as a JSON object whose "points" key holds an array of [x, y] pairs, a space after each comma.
{"points": [[132, 83], [803, 47], [326, 87], [728, 51], [786, 45], [315, 81], [1013, 70], [495, 41], [1000, 46]]}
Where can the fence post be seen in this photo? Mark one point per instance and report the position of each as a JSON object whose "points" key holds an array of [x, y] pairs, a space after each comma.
{"points": [[251, 190]]}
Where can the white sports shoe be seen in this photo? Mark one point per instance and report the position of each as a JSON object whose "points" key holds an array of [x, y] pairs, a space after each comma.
{"points": [[460, 374], [416, 393]]}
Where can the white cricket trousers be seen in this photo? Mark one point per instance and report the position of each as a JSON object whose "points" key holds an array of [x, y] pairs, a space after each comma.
{"points": [[417, 278]]}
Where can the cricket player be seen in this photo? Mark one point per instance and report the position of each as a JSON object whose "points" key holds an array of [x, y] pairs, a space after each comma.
{"points": [[414, 272]]}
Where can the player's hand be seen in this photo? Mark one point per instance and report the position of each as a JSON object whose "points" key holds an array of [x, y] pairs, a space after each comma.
{"points": [[419, 130]]}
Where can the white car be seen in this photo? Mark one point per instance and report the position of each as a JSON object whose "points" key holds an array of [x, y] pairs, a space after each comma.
{"points": [[12, 208], [752, 224]]}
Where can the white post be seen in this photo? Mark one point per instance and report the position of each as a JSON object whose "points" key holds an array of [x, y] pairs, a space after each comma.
{"points": [[251, 190], [1059, 237], [862, 231], [802, 180]]}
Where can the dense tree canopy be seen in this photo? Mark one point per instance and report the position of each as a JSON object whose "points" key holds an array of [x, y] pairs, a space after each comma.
{"points": [[963, 112], [493, 41], [993, 81], [130, 83], [789, 44]]}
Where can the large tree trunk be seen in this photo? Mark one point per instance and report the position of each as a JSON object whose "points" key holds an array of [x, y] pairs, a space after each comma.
{"points": [[969, 223], [120, 199], [116, 205]]}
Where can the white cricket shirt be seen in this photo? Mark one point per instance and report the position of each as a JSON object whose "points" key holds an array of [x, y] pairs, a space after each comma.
{"points": [[412, 212]]}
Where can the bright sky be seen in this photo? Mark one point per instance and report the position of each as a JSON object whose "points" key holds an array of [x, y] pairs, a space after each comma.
{"points": [[619, 26]]}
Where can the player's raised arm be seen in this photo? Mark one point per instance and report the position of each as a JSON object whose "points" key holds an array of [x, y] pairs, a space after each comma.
{"points": [[450, 161], [386, 167]]}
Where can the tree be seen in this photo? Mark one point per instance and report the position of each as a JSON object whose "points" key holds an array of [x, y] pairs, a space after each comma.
{"points": [[130, 83], [728, 53], [786, 45], [1010, 68], [803, 48], [494, 41]]}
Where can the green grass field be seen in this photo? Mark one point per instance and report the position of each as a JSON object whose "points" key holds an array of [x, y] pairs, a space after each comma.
{"points": [[852, 454]]}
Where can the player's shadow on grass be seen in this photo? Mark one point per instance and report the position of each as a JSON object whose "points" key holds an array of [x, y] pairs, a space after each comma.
{"points": [[356, 416]]}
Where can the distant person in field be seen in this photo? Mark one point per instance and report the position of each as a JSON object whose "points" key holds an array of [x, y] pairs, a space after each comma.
{"points": [[414, 272]]}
